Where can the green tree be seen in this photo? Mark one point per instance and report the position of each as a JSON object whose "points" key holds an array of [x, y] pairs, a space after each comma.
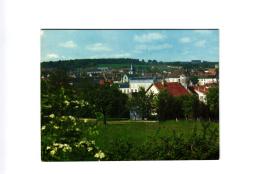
{"points": [[141, 103], [111, 102], [213, 102], [194, 80], [163, 105], [190, 106]]}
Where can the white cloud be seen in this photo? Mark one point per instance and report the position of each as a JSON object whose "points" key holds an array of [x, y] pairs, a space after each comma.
{"points": [[149, 37], [51, 57], [153, 47], [203, 31], [98, 47], [200, 43], [68, 44], [185, 40]]}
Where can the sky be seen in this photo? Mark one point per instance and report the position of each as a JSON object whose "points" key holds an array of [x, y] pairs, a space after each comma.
{"points": [[160, 45]]}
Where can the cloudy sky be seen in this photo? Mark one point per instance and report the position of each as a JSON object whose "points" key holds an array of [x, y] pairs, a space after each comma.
{"points": [[162, 45]]}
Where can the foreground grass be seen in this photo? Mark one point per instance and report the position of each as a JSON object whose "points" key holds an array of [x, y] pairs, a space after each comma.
{"points": [[69, 139], [139, 132]]}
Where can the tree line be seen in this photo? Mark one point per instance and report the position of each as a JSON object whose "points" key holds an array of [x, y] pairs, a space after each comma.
{"points": [[83, 63]]}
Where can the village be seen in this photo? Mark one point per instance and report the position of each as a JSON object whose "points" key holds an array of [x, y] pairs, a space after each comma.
{"points": [[176, 80]]}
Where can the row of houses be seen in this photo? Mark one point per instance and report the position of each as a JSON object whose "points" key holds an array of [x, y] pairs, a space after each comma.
{"points": [[175, 86]]}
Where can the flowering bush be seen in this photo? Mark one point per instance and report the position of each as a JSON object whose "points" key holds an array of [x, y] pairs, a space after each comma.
{"points": [[63, 140]]}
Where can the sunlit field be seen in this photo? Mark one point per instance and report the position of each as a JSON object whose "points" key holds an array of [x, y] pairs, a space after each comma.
{"points": [[86, 139], [137, 132]]}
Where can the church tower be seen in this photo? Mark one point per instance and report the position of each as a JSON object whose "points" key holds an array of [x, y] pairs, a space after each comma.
{"points": [[131, 72]]}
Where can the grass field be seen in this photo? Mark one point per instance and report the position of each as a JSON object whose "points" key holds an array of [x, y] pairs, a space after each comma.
{"points": [[137, 132], [69, 139]]}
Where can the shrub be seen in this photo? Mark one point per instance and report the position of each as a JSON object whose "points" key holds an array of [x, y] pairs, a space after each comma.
{"points": [[63, 140]]}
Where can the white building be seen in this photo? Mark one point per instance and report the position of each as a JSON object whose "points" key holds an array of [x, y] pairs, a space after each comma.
{"points": [[172, 79], [184, 81], [202, 91], [204, 81], [125, 79], [134, 84]]}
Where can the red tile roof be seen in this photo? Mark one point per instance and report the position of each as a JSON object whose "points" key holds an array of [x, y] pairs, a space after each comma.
{"points": [[203, 89], [174, 88], [101, 82]]}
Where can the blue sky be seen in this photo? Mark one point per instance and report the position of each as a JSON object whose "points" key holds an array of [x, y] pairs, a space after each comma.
{"points": [[161, 45]]}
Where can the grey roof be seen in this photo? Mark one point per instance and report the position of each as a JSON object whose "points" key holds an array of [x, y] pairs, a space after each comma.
{"points": [[142, 78], [123, 85]]}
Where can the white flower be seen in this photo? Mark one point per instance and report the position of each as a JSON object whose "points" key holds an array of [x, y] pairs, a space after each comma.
{"points": [[48, 147], [90, 149], [66, 148], [66, 102], [52, 153], [56, 127], [72, 118], [52, 116], [99, 155], [43, 127]]}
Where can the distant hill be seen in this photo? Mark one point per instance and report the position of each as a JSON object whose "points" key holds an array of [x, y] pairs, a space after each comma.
{"points": [[84, 63]]}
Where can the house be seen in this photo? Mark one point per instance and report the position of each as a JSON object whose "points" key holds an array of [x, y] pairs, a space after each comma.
{"points": [[211, 72], [124, 88], [103, 82], [179, 79], [202, 91], [172, 79], [173, 88], [131, 84], [136, 83], [207, 80], [125, 79]]}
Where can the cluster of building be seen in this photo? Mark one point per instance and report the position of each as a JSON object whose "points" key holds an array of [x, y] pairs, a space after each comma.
{"points": [[176, 81], [176, 85]]}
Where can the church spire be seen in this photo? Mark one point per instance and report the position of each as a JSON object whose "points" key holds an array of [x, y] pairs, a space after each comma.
{"points": [[131, 70]]}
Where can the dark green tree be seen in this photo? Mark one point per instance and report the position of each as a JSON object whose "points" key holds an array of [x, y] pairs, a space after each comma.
{"points": [[111, 102], [213, 102], [163, 105], [142, 103], [190, 106], [194, 80]]}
